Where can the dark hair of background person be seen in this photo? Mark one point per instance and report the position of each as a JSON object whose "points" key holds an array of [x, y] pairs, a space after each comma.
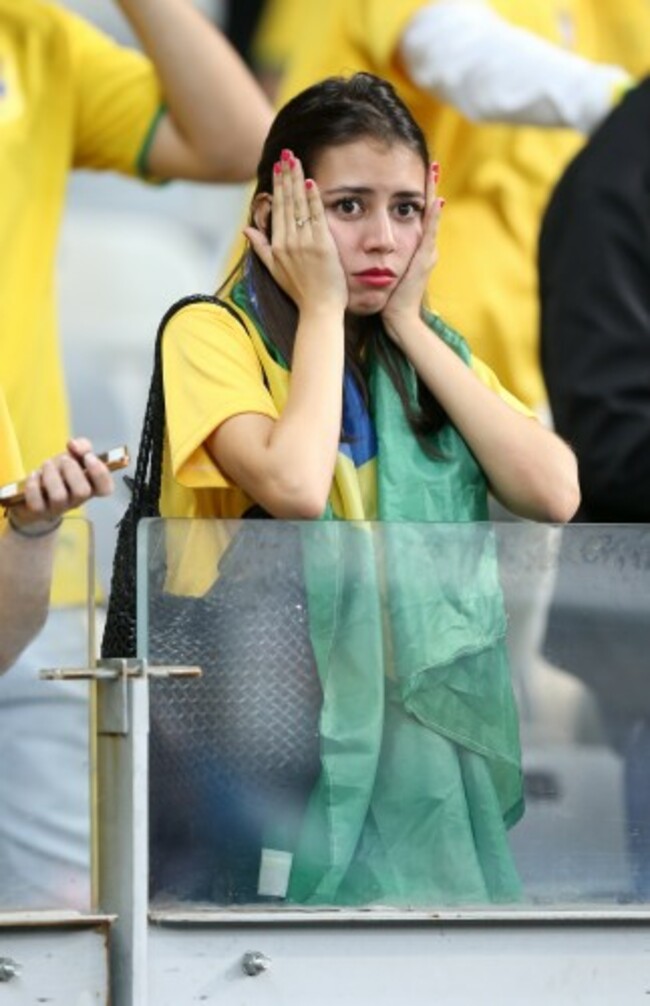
{"points": [[242, 19], [335, 112]]}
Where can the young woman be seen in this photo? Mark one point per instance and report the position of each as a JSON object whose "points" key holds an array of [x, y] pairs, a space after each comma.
{"points": [[334, 393]]}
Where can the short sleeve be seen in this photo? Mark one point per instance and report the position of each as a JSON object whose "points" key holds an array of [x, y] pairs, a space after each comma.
{"points": [[211, 373], [490, 379], [118, 99]]}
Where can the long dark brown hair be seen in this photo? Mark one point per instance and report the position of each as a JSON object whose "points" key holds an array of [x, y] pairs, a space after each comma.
{"points": [[335, 112]]}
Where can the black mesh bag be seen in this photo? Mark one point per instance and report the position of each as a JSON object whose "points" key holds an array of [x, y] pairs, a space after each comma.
{"points": [[233, 755]]}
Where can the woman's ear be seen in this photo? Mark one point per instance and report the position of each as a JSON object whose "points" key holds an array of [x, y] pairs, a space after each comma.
{"points": [[262, 205]]}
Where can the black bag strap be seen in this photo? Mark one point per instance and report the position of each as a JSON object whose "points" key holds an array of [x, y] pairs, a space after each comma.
{"points": [[145, 485], [120, 630]]}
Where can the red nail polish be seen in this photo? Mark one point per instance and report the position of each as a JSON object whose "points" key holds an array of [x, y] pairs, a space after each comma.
{"points": [[292, 162], [309, 183], [277, 168], [441, 203], [286, 155], [435, 171]]}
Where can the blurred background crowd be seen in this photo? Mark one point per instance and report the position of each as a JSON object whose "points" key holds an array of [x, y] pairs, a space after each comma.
{"points": [[508, 92]]}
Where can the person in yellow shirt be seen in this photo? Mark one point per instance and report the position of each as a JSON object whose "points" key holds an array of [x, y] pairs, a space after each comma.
{"points": [[72, 98], [505, 92], [28, 531], [325, 390]]}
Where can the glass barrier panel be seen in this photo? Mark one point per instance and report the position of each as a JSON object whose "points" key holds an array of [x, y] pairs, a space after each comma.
{"points": [[401, 716], [44, 726]]}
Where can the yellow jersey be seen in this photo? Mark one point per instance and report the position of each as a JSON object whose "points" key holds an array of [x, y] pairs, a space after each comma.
{"points": [[212, 372], [279, 31], [11, 468], [69, 98], [214, 369]]}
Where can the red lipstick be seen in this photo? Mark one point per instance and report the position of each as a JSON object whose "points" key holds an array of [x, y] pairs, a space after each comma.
{"points": [[376, 277]]}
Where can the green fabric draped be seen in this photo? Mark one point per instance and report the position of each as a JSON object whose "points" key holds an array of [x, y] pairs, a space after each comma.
{"points": [[420, 750]]}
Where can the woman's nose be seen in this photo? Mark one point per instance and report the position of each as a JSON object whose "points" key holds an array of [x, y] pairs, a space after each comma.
{"points": [[379, 234]]}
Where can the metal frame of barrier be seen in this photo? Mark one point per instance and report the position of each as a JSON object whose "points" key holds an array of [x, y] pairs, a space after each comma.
{"points": [[599, 954]]}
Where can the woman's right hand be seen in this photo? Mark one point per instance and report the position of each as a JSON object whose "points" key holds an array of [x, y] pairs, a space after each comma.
{"points": [[301, 256]]}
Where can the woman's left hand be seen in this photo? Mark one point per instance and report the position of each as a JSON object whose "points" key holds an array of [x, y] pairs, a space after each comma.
{"points": [[406, 299]]}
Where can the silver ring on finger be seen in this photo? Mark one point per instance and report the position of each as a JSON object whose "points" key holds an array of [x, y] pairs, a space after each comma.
{"points": [[301, 221]]}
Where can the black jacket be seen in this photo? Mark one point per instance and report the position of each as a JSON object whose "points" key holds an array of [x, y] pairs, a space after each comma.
{"points": [[594, 261]]}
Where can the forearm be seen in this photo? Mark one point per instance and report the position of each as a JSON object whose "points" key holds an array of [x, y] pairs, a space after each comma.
{"points": [[213, 101], [25, 575], [491, 70], [529, 469], [287, 464], [306, 437]]}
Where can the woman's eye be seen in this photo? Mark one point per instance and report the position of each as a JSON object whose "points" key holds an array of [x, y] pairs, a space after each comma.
{"points": [[407, 210], [348, 206]]}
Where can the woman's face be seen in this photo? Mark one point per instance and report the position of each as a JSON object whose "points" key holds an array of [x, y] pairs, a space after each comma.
{"points": [[374, 198]]}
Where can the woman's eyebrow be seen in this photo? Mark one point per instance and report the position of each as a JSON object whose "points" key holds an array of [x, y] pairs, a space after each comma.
{"points": [[364, 190], [357, 190]]}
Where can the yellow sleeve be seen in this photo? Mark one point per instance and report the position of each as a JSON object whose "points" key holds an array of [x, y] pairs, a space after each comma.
{"points": [[11, 467], [118, 99], [489, 378], [280, 29], [378, 27], [211, 373]]}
